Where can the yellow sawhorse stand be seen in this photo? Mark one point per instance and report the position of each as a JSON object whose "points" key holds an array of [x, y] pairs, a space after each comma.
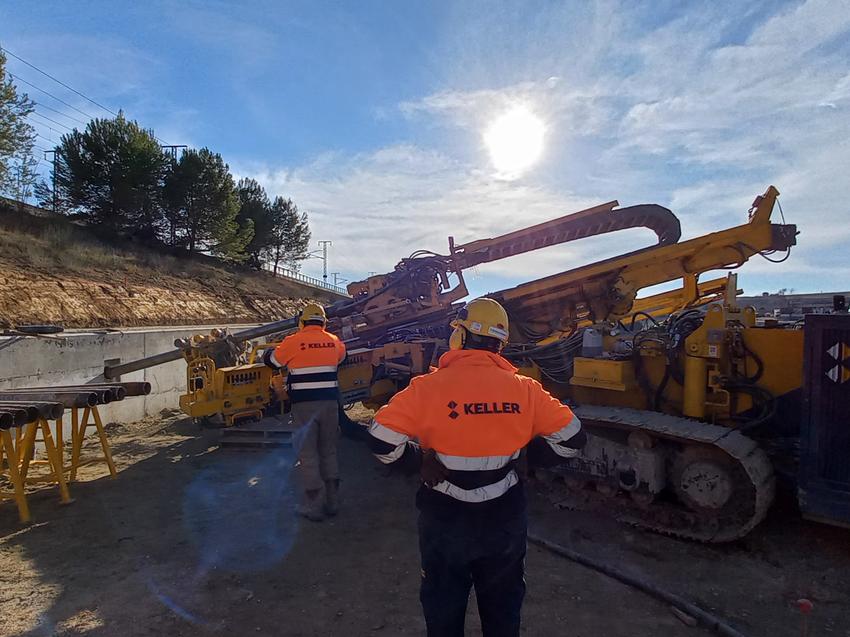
{"points": [[18, 450], [10, 454], [79, 426], [55, 473]]}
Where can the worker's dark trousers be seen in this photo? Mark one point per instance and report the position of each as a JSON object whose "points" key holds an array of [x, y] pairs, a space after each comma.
{"points": [[459, 553], [317, 432]]}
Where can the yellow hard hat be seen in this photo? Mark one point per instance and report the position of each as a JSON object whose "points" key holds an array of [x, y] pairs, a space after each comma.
{"points": [[312, 312], [484, 317]]}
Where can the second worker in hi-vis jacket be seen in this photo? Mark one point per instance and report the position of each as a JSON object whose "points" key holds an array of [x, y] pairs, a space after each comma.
{"points": [[311, 357]]}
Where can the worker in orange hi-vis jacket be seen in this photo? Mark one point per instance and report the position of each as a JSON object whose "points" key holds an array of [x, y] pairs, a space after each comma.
{"points": [[471, 418], [311, 357]]}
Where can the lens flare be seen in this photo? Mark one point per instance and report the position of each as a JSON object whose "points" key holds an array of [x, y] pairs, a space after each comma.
{"points": [[515, 141], [240, 512]]}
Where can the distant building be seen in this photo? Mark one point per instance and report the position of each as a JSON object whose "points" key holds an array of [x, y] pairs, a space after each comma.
{"points": [[792, 305]]}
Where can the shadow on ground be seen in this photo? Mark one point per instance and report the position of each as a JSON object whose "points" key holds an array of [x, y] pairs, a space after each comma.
{"points": [[192, 539]]}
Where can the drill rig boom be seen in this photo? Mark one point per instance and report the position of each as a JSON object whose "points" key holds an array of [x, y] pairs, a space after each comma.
{"points": [[606, 290]]}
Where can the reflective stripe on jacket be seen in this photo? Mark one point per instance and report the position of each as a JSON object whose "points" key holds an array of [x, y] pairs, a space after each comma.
{"points": [[311, 357], [477, 413]]}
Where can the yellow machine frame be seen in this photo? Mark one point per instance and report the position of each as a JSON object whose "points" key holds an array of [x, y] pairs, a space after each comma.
{"points": [[238, 392]]}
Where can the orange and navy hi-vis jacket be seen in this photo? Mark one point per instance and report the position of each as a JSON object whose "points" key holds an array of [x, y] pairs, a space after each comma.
{"points": [[311, 356], [477, 414]]}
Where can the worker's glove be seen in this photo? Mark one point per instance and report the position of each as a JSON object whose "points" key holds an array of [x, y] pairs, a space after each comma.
{"points": [[433, 472]]}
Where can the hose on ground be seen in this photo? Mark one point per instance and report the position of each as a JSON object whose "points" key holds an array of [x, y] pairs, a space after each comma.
{"points": [[709, 620]]}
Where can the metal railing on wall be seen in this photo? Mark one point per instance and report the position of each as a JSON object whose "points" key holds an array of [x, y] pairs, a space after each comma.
{"points": [[303, 278]]}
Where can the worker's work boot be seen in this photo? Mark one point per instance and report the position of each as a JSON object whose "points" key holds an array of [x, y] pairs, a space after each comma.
{"points": [[311, 506], [332, 497]]}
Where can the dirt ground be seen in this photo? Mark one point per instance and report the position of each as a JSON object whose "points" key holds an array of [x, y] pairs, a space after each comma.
{"points": [[192, 540]]}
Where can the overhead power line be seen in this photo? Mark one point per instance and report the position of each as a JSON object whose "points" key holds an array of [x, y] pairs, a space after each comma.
{"points": [[58, 133], [58, 99], [61, 83], [52, 120], [58, 81], [35, 122], [45, 138], [50, 108], [20, 79]]}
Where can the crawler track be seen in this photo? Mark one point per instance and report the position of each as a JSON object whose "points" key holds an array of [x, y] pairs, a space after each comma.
{"points": [[691, 450]]}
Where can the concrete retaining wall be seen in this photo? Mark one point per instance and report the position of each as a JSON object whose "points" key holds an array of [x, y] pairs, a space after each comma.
{"points": [[80, 356]]}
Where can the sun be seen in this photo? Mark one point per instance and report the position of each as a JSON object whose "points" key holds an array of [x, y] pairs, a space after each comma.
{"points": [[515, 141]]}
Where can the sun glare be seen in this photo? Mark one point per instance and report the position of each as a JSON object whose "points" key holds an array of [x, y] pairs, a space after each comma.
{"points": [[515, 141]]}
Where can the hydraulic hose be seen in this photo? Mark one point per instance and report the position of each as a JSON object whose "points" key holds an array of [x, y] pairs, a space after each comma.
{"points": [[768, 403], [641, 313], [709, 620], [759, 363]]}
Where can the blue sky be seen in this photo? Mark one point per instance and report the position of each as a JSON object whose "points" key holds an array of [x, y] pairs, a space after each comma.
{"points": [[370, 115]]}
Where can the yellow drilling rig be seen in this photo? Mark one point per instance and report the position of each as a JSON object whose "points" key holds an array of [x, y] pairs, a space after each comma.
{"points": [[682, 391]]}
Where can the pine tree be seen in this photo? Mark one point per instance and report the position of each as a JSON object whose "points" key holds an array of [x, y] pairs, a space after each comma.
{"points": [[17, 137], [256, 208], [202, 204], [112, 174], [290, 236]]}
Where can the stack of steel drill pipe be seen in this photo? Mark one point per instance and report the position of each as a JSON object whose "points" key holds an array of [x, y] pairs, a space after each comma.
{"points": [[30, 411], [48, 410], [67, 397], [136, 389], [7, 419], [119, 390], [12, 417], [106, 392], [76, 395]]}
